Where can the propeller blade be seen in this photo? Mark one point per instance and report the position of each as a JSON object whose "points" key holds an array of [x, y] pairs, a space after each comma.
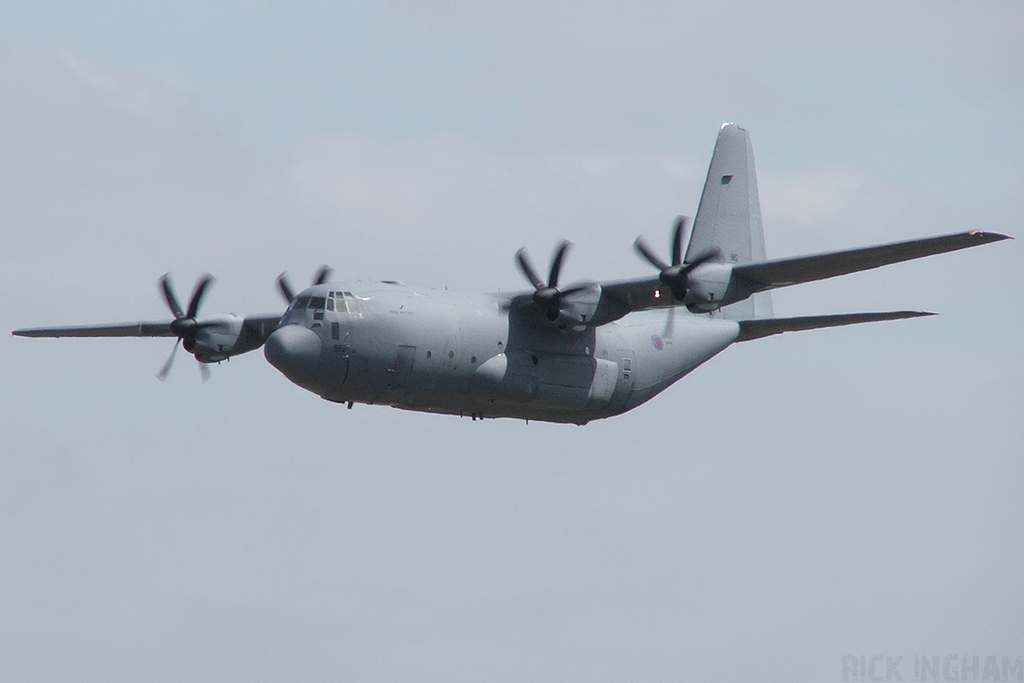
{"points": [[172, 301], [285, 288], [556, 263], [576, 288], [709, 255], [645, 250], [527, 269], [323, 275], [670, 323], [204, 372], [197, 295], [678, 238], [166, 369]]}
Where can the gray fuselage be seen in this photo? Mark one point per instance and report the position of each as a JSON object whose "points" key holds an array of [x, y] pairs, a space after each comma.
{"points": [[478, 355]]}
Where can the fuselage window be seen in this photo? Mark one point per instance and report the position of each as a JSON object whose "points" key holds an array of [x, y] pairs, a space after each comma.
{"points": [[330, 303], [317, 302], [300, 303]]}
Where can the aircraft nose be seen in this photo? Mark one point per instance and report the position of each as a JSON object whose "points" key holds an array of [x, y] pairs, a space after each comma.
{"points": [[294, 350]]}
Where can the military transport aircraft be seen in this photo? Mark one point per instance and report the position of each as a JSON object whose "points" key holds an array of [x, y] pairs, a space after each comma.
{"points": [[569, 354]]}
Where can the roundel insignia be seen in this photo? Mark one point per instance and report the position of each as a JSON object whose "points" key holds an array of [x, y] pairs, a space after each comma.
{"points": [[656, 340]]}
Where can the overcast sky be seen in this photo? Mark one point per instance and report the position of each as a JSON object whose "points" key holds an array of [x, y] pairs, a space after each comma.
{"points": [[796, 500]]}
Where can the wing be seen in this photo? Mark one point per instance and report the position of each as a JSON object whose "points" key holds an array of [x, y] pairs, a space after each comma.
{"points": [[139, 329], [636, 295], [791, 271], [715, 285], [599, 303], [256, 326], [737, 282]]}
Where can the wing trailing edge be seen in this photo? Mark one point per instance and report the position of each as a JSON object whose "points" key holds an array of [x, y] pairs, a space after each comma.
{"points": [[766, 327], [791, 271]]}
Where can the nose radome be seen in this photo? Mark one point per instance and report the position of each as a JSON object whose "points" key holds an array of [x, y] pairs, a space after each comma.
{"points": [[294, 350]]}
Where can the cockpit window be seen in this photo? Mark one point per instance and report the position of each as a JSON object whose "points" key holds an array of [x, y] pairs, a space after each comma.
{"points": [[317, 302], [300, 303], [341, 302]]}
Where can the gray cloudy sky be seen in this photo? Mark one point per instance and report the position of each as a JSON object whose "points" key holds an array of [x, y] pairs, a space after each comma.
{"points": [[798, 499]]}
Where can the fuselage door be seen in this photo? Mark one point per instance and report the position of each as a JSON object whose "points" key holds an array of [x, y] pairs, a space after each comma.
{"points": [[340, 332], [626, 368], [398, 373], [451, 353]]}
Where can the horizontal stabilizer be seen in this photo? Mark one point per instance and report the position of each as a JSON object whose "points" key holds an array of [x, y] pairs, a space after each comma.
{"points": [[755, 329], [791, 271], [139, 329]]}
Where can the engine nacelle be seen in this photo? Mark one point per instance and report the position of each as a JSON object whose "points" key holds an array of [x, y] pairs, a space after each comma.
{"points": [[709, 287], [579, 308], [218, 337]]}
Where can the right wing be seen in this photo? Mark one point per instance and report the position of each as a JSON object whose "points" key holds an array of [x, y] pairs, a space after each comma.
{"points": [[139, 329], [255, 326], [790, 271]]}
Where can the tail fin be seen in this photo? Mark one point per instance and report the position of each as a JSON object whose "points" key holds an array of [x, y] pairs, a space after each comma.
{"points": [[729, 215]]}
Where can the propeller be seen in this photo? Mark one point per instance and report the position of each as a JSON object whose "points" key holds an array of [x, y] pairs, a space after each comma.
{"points": [[676, 275], [184, 326], [548, 296], [285, 287]]}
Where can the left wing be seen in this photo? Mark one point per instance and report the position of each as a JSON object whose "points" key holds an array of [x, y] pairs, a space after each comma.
{"points": [[791, 271], [639, 294], [714, 285], [594, 304]]}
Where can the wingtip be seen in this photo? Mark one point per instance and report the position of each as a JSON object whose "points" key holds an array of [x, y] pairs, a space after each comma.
{"points": [[905, 315], [989, 236]]}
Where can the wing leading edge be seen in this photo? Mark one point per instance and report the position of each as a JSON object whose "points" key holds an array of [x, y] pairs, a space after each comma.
{"points": [[791, 271]]}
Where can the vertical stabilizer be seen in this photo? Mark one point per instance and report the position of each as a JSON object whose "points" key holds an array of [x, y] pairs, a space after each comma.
{"points": [[729, 215]]}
